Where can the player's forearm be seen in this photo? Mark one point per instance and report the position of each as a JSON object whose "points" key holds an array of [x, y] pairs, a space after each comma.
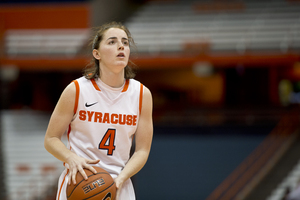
{"points": [[57, 148], [134, 165]]}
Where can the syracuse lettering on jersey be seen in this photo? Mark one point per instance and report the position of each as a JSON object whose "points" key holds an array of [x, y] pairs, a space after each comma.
{"points": [[108, 118]]}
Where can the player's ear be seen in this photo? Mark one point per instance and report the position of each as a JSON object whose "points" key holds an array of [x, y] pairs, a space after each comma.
{"points": [[96, 54]]}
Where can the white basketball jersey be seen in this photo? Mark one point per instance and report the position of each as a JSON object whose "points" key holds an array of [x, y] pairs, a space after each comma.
{"points": [[103, 128]]}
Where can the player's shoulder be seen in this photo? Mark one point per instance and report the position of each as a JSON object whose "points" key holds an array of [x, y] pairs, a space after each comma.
{"points": [[138, 83], [147, 93], [134, 81], [81, 80], [70, 90], [73, 87]]}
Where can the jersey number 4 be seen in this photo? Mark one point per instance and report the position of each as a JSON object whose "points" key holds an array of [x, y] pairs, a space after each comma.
{"points": [[108, 141]]}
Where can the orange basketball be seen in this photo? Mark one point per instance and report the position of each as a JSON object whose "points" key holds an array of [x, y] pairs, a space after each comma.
{"points": [[100, 186]]}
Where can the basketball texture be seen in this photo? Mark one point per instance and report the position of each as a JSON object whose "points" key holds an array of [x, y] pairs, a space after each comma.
{"points": [[100, 186]]}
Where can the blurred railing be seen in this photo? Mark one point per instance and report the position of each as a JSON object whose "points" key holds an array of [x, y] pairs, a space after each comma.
{"points": [[258, 164]]}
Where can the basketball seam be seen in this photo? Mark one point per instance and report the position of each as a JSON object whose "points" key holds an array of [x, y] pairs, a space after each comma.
{"points": [[84, 180]]}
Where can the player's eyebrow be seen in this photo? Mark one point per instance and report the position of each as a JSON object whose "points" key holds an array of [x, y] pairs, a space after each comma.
{"points": [[123, 38]]}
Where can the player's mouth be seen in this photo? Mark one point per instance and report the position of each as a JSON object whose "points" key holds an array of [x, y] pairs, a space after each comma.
{"points": [[121, 55]]}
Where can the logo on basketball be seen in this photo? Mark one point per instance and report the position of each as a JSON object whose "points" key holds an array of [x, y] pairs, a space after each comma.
{"points": [[107, 196], [93, 185], [100, 186]]}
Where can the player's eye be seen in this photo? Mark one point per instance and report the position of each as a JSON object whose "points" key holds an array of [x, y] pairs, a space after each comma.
{"points": [[111, 42]]}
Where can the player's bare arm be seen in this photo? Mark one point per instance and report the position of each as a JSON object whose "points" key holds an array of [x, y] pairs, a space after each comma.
{"points": [[143, 139], [58, 124]]}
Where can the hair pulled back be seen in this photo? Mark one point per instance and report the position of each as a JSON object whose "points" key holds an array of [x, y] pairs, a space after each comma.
{"points": [[92, 70]]}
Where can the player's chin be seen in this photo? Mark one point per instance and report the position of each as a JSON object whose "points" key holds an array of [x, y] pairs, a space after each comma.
{"points": [[121, 64]]}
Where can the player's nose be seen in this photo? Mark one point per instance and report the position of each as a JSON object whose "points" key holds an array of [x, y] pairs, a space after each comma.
{"points": [[121, 46]]}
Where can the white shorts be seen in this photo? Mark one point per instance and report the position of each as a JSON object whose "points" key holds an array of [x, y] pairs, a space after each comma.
{"points": [[126, 193]]}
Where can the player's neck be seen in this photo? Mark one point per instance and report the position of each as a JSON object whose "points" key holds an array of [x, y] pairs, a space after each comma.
{"points": [[113, 80]]}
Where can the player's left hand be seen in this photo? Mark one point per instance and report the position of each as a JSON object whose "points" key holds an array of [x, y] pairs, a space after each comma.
{"points": [[119, 184]]}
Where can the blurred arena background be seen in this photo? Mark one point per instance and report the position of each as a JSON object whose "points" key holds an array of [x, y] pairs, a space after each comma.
{"points": [[225, 79]]}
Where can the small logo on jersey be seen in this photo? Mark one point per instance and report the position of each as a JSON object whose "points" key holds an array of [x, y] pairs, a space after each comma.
{"points": [[88, 105]]}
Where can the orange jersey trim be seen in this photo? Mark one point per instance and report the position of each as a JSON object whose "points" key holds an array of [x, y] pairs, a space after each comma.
{"points": [[68, 135], [97, 88], [62, 183], [95, 85], [69, 131], [141, 98], [77, 96], [126, 85]]}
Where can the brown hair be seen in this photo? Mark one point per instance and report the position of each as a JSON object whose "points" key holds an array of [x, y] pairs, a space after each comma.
{"points": [[92, 70]]}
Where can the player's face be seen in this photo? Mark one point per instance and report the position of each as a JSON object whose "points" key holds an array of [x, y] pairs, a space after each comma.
{"points": [[114, 49]]}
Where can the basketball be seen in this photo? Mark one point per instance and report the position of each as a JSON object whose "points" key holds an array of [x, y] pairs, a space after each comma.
{"points": [[100, 186]]}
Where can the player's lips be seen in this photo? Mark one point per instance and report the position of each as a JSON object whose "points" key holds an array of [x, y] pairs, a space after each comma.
{"points": [[121, 55]]}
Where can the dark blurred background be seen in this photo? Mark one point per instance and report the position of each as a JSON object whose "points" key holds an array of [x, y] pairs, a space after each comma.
{"points": [[225, 80]]}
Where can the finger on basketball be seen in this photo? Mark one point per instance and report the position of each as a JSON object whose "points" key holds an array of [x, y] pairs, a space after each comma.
{"points": [[70, 178], [92, 169], [73, 175], [89, 167], [82, 172]]}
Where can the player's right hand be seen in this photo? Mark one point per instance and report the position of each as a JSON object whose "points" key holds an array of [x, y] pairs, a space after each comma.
{"points": [[77, 164]]}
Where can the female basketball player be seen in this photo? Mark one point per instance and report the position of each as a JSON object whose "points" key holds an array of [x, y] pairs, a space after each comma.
{"points": [[101, 113]]}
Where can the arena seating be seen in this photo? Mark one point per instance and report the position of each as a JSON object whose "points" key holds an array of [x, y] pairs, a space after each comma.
{"points": [[244, 26], [171, 26], [30, 171], [45, 42]]}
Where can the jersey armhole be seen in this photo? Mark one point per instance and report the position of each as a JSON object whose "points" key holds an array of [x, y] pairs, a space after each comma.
{"points": [[141, 97], [77, 96]]}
